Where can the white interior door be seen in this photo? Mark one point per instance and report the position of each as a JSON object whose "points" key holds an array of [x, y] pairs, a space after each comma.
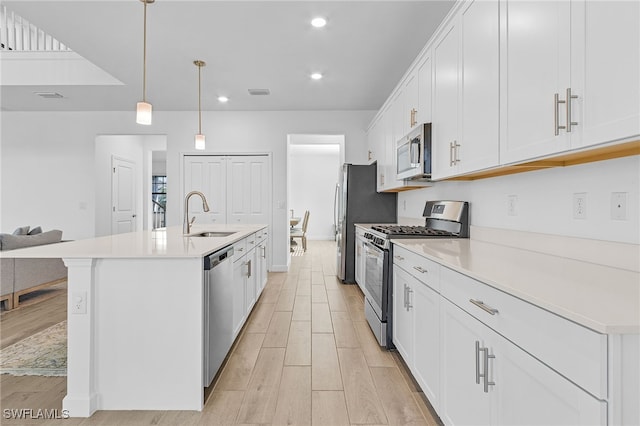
{"points": [[123, 196]]}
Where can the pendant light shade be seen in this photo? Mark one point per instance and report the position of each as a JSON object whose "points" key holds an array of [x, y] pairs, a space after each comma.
{"points": [[144, 109], [199, 140], [143, 113]]}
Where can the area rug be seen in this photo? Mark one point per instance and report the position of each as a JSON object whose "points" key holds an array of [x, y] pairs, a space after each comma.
{"points": [[41, 354]]}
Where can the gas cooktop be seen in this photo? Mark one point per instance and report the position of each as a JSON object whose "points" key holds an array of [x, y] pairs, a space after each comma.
{"points": [[407, 230]]}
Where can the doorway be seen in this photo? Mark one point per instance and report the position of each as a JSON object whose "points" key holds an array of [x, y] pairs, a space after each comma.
{"points": [[314, 166]]}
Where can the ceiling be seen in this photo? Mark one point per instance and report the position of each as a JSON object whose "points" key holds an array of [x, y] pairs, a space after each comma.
{"points": [[363, 51]]}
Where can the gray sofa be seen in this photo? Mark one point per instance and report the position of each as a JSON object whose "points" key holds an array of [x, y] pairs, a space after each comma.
{"points": [[21, 276]]}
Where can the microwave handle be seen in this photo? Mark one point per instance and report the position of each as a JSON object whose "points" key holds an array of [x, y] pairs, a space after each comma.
{"points": [[414, 152]]}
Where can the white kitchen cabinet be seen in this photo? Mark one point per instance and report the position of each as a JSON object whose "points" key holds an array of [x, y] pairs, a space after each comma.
{"points": [[466, 107], [536, 70], [605, 65], [411, 102], [261, 268], [416, 319], [360, 258], [486, 380], [253, 270], [237, 187], [570, 76], [446, 76], [403, 326], [425, 84], [240, 272]]}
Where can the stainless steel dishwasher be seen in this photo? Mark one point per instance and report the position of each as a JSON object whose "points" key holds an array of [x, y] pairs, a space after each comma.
{"points": [[218, 310]]}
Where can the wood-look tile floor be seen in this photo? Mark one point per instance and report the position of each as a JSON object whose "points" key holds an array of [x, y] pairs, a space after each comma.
{"points": [[306, 356]]}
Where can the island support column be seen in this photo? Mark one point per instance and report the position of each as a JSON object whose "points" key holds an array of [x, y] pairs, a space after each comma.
{"points": [[81, 398]]}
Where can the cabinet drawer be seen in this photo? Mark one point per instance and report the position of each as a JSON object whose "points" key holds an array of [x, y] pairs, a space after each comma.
{"points": [[425, 270], [574, 351], [239, 249]]}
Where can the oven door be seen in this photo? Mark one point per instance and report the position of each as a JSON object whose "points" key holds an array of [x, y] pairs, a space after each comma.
{"points": [[409, 157], [374, 279]]}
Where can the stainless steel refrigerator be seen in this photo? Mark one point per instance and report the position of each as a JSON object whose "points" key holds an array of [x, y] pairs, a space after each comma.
{"points": [[358, 202]]}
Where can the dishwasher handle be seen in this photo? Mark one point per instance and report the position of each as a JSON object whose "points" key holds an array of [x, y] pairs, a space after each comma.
{"points": [[214, 259]]}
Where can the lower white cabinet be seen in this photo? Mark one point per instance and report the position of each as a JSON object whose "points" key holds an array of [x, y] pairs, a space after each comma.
{"points": [[487, 380], [416, 319], [484, 357], [249, 276], [360, 259]]}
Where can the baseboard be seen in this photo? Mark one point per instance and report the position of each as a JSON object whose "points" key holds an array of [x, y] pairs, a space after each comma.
{"points": [[279, 268]]}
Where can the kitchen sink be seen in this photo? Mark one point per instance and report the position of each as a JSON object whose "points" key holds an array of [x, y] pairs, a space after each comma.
{"points": [[219, 234]]}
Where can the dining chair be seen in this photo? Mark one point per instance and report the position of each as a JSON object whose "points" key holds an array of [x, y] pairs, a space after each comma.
{"points": [[302, 232]]}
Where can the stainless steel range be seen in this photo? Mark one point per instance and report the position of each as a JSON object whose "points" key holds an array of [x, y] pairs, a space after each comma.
{"points": [[443, 219]]}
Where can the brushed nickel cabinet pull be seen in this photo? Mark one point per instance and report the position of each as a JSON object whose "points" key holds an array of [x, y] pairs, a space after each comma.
{"points": [[477, 362], [451, 158], [485, 373], [400, 258], [420, 269], [568, 102], [480, 304], [556, 104]]}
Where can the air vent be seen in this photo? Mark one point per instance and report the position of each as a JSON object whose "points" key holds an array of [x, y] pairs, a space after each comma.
{"points": [[49, 95], [259, 92]]}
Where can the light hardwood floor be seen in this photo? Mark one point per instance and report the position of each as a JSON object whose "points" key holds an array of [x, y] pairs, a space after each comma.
{"points": [[306, 356]]}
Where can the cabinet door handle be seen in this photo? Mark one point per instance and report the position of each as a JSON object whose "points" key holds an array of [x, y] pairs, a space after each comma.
{"points": [[249, 269], [400, 258], [420, 269], [485, 373], [477, 362], [409, 305], [480, 304], [405, 297], [451, 158], [568, 102], [456, 152], [556, 104]]}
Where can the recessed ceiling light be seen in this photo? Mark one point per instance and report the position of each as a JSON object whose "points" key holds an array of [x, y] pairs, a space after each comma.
{"points": [[318, 22], [222, 99], [316, 76]]}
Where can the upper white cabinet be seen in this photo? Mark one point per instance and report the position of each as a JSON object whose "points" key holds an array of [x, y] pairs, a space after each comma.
{"points": [[466, 92], [536, 72], [446, 78], [505, 82], [569, 76], [605, 70]]}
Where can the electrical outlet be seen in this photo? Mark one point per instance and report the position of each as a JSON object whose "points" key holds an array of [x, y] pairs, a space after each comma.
{"points": [[512, 205], [619, 205], [580, 205], [79, 302]]}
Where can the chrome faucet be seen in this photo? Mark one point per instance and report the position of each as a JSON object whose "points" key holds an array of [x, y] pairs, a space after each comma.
{"points": [[186, 227]]}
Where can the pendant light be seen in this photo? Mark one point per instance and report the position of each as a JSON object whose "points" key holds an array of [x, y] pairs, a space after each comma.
{"points": [[200, 142], [143, 109]]}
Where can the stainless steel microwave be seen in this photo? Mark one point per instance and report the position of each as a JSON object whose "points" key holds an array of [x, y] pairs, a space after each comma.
{"points": [[414, 154]]}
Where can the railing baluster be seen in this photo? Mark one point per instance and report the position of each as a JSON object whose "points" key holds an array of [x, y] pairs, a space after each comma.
{"points": [[19, 34]]}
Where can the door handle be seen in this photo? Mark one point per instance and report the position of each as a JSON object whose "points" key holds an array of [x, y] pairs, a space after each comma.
{"points": [[409, 292], [568, 102], [249, 269], [480, 304], [556, 104], [420, 269]]}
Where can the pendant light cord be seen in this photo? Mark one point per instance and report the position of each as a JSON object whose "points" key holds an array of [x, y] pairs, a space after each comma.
{"points": [[199, 101], [144, 56]]}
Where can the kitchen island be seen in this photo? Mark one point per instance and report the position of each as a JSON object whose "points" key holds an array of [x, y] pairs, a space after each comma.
{"points": [[135, 317]]}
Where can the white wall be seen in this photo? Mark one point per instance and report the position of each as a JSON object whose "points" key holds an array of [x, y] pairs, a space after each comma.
{"points": [[48, 175], [545, 200], [313, 175], [126, 147]]}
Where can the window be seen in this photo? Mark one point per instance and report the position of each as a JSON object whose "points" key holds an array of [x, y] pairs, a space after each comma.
{"points": [[159, 200]]}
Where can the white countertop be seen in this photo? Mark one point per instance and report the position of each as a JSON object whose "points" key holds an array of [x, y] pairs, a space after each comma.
{"points": [[167, 242], [602, 298]]}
